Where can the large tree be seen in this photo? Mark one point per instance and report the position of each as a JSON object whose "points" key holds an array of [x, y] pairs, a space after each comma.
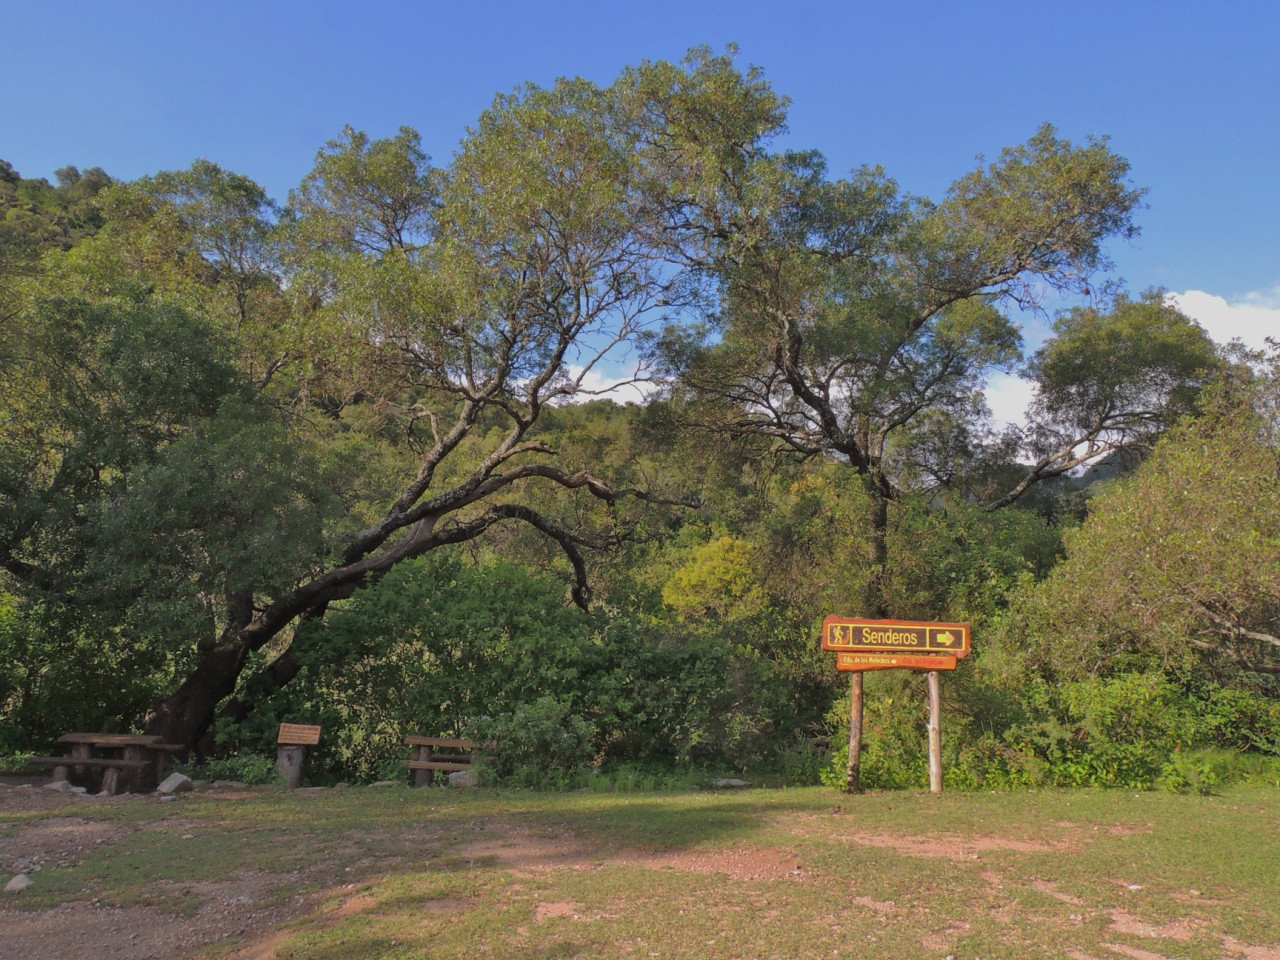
{"points": [[858, 324], [398, 333], [371, 367]]}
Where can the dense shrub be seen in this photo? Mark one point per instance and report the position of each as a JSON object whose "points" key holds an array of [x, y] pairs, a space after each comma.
{"points": [[540, 744], [439, 643], [1136, 731]]}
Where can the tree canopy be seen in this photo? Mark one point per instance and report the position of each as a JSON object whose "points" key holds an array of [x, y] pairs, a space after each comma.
{"points": [[859, 324], [222, 417]]}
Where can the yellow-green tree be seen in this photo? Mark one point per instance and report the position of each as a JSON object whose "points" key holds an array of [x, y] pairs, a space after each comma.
{"points": [[1178, 564]]}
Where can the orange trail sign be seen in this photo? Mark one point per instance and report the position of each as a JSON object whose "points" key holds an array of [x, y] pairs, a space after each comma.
{"points": [[895, 636], [854, 662]]}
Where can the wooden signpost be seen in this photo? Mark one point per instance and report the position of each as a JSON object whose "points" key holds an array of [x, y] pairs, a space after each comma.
{"points": [[291, 750], [864, 645]]}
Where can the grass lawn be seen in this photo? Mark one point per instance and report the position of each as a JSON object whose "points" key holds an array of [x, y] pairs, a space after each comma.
{"points": [[381, 873]]}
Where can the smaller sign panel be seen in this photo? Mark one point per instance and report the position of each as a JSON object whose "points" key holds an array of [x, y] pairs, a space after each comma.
{"points": [[856, 662], [298, 735], [895, 636]]}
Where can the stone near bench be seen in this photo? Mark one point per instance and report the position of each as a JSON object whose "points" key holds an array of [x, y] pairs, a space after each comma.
{"points": [[175, 783]]}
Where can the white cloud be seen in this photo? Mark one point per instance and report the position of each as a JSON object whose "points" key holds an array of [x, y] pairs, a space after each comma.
{"points": [[1008, 397], [1252, 318], [620, 388], [1266, 299]]}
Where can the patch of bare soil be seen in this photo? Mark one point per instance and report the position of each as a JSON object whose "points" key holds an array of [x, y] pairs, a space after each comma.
{"points": [[1180, 930], [81, 930], [738, 863], [942, 942], [85, 929], [1044, 886], [239, 906], [55, 842], [264, 947], [548, 911], [1238, 949], [20, 795], [956, 848]]}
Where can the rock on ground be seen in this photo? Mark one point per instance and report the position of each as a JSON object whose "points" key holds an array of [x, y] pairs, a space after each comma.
{"points": [[20, 882], [175, 783]]}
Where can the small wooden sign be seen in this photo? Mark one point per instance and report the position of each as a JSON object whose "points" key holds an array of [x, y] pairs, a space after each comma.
{"points": [[851, 662], [298, 734], [895, 636]]}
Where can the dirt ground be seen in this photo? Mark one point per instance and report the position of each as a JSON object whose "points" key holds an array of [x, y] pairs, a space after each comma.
{"points": [[236, 908], [245, 908], [83, 929]]}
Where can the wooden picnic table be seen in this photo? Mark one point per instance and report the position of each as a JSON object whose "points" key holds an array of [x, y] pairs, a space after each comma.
{"points": [[102, 760]]}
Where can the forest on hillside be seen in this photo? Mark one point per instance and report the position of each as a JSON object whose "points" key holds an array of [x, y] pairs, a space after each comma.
{"points": [[344, 458]]}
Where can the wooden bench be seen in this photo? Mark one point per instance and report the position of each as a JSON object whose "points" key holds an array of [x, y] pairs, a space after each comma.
{"points": [[111, 768], [460, 755]]}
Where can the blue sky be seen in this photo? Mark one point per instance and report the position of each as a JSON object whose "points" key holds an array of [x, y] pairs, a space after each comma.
{"points": [[1188, 91]]}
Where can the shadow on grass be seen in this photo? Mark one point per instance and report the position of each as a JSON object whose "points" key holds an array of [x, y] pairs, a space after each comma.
{"points": [[671, 822]]}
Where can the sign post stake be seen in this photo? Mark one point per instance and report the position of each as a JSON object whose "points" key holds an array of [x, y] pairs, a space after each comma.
{"points": [[935, 732], [853, 777]]}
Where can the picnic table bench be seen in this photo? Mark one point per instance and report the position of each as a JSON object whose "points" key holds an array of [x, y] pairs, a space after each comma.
{"points": [[460, 755], [137, 760]]}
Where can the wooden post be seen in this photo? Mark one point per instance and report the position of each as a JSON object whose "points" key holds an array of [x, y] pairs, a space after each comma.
{"points": [[853, 777], [131, 780], [82, 776], [110, 781], [289, 760], [424, 778], [935, 732]]}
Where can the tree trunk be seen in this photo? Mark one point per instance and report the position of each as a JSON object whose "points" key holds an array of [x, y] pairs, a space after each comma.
{"points": [[877, 587], [263, 685], [184, 715]]}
